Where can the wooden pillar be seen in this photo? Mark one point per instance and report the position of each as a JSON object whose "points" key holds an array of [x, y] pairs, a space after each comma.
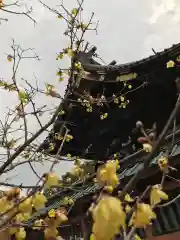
{"points": [[86, 228], [4, 235]]}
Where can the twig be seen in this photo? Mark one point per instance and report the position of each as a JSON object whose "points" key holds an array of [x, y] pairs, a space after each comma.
{"points": [[131, 184], [59, 150], [20, 13], [29, 141], [17, 185]]}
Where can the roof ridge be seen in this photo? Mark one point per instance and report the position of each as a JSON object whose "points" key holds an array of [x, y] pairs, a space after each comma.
{"points": [[124, 68]]}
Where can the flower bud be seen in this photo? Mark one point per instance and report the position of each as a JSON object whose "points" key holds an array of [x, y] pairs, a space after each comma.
{"points": [[139, 124]]}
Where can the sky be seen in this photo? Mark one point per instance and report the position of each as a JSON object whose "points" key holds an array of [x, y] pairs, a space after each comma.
{"points": [[127, 31]]}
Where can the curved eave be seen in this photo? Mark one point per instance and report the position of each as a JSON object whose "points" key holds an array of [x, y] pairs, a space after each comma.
{"points": [[125, 68], [142, 68]]}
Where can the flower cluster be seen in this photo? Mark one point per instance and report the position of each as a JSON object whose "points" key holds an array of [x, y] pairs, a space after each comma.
{"points": [[19, 209], [109, 217], [50, 91], [86, 103], [7, 86], [107, 176], [120, 100]]}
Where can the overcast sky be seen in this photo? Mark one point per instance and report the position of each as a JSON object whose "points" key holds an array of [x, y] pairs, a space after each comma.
{"points": [[128, 30]]}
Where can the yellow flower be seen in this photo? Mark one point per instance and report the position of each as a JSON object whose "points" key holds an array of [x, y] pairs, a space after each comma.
{"points": [[61, 112], [122, 98], [51, 147], [23, 96], [57, 137], [107, 174], [76, 171], [26, 206], [69, 137], [12, 230], [78, 65], [20, 234], [52, 213], [74, 11], [116, 101], [89, 109], [108, 216], [170, 64], [157, 195], [103, 116], [60, 56], [127, 208], [92, 237], [39, 201], [3, 204], [70, 201], [163, 163], [111, 167], [52, 180], [19, 217], [142, 216], [117, 164], [137, 237], [109, 189], [68, 155], [26, 216], [70, 52], [147, 147], [128, 198]]}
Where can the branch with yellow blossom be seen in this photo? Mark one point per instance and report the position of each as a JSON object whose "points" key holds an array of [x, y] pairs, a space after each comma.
{"points": [[131, 184]]}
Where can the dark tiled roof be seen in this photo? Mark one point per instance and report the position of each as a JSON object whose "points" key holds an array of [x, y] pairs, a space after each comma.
{"points": [[122, 68], [168, 218], [134, 167]]}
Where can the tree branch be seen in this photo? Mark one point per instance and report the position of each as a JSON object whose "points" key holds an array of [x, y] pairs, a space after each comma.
{"points": [[132, 183]]}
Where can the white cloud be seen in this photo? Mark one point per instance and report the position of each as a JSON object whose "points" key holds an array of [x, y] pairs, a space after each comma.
{"points": [[167, 8], [159, 10]]}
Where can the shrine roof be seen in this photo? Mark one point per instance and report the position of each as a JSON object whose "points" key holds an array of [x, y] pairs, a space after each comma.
{"points": [[131, 164], [90, 64]]}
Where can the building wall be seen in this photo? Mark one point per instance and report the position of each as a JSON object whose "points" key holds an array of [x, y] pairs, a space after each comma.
{"points": [[172, 236]]}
